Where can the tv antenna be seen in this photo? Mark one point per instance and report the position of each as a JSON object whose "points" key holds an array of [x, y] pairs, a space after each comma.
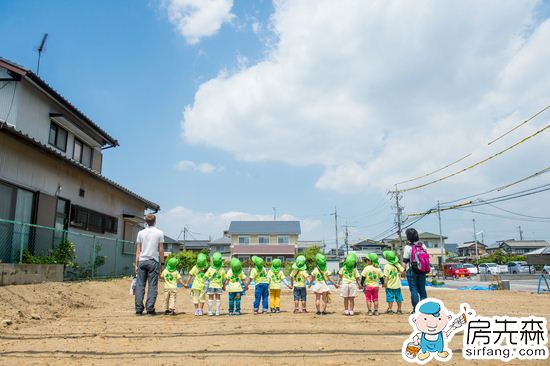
{"points": [[40, 50]]}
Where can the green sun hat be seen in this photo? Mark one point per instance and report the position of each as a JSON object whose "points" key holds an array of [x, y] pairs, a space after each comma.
{"points": [[276, 265], [217, 260], [236, 266], [351, 260], [172, 264], [202, 260], [300, 263], [390, 256], [373, 258], [321, 261], [258, 262]]}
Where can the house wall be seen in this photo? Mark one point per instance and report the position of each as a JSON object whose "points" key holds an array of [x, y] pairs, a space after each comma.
{"points": [[254, 239], [9, 98]]}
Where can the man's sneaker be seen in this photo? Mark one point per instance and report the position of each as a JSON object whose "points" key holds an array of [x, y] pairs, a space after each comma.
{"points": [[152, 313], [370, 313], [139, 313]]}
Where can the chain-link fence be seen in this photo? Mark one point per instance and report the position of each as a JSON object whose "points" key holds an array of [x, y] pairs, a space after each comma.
{"points": [[94, 255]]}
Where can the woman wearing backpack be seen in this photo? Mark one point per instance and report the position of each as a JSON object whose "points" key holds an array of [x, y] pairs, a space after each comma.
{"points": [[417, 262]]}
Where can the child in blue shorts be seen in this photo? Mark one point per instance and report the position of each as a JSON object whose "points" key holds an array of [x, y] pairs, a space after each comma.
{"points": [[392, 281]]}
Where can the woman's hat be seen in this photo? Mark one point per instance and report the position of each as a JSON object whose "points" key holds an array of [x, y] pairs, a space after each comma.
{"points": [[321, 261], [172, 264], [390, 256], [276, 265], [259, 262], [300, 263], [202, 260], [236, 266], [217, 260]]}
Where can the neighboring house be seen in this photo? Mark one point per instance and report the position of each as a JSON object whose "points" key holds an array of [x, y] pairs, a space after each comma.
{"points": [[430, 240], [468, 249], [195, 245], [367, 246], [303, 245], [172, 246], [51, 157], [222, 245], [451, 248], [266, 239], [519, 247]]}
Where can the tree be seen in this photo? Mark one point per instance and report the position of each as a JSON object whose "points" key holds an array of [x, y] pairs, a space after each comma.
{"points": [[310, 254], [187, 259]]}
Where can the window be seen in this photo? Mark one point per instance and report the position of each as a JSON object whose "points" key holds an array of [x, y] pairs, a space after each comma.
{"points": [[93, 221], [283, 239], [263, 239], [244, 240], [268, 259], [58, 137], [82, 153]]}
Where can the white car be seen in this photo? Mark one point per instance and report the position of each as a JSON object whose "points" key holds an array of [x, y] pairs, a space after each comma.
{"points": [[546, 269], [470, 267], [489, 268]]}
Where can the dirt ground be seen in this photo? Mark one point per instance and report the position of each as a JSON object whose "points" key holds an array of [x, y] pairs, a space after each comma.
{"points": [[93, 323]]}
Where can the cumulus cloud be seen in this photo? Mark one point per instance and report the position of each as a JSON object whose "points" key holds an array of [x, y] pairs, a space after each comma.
{"points": [[206, 168], [375, 92], [207, 224], [196, 19]]}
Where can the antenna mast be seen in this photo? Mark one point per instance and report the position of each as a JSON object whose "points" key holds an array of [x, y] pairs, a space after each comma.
{"points": [[40, 50]]}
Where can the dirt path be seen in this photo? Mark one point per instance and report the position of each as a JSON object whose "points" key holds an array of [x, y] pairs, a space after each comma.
{"points": [[94, 323]]}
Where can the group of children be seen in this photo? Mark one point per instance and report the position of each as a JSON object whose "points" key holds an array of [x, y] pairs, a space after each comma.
{"points": [[212, 280]]}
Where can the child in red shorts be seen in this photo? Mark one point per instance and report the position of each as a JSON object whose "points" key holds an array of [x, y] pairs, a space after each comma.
{"points": [[371, 275]]}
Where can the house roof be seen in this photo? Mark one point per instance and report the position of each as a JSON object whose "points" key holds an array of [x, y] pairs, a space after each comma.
{"points": [[310, 243], [12, 131], [195, 244], [525, 243], [427, 235], [221, 241], [540, 251], [169, 240], [46, 88], [264, 227], [263, 249], [469, 244]]}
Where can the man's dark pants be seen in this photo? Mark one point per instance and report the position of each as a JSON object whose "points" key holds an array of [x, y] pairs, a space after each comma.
{"points": [[148, 271]]}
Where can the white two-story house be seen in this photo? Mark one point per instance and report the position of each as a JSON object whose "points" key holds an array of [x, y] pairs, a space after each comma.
{"points": [[51, 157]]}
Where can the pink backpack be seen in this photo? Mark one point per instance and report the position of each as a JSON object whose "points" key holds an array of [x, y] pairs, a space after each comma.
{"points": [[420, 259]]}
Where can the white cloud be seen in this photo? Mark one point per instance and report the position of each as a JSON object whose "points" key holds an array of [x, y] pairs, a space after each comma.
{"points": [[196, 19], [206, 168], [207, 224], [375, 92]]}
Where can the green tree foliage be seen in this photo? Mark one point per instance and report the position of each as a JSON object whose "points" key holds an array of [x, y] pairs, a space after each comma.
{"points": [[64, 253], [501, 257], [187, 259]]}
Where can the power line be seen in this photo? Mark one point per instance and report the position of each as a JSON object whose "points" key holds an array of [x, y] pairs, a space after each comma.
{"points": [[515, 213], [479, 162], [518, 126], [435, 171], [500, 216]]}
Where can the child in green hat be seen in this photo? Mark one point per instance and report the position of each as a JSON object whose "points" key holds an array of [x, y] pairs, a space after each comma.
{"points": [[261, 290], [392, 281], [171, 278], [351, 280], [216, 277], [275, 276], [198, 289], [320, 275], [372, 275], [298, 278], [235, 280]]}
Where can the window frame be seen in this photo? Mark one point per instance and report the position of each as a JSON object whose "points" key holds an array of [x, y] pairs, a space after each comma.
{"points": [[90, 220], [56, 141], [243, 237], [283, 236], [264, 236], [80, 158]]}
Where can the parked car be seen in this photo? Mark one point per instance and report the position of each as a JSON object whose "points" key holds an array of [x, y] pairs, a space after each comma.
{"points": [[470, 267], [455, 270], [546, 269], [433, 271], [516, 267], [489, 268]]}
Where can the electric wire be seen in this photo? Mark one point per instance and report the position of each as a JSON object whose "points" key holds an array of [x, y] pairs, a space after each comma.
{"points": [[435, 171], [517, 214], [500, 216], [518, 126]]}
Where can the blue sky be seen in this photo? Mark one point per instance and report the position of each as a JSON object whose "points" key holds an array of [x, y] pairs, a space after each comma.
{"points": [[297, 107]]}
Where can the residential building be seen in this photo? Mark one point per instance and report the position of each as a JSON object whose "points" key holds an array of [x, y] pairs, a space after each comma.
{"points": [[222, 245], [430, 240], [518, 247], [266, 239], [196, 245], [370, 246], [468, 249], [451, 248], [303, 245], [51, 157], [172, 246]]}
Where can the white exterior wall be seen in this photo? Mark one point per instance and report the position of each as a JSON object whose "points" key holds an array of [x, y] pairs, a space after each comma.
{"points": [[9, 91]]}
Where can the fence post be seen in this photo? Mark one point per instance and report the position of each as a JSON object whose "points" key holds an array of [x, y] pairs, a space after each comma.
{"points": [[93, 256], [116, 255], [21, 242]]}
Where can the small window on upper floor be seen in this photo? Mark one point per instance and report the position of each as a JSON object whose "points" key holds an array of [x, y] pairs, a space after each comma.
{"points": [[283, 239], [82, 153], [58, 137]]}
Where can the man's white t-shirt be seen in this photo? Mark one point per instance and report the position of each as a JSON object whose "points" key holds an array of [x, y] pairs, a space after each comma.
{"points": [[149, 238]]}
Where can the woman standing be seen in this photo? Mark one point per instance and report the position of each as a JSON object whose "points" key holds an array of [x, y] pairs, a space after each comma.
{"points": [[413, 252]]}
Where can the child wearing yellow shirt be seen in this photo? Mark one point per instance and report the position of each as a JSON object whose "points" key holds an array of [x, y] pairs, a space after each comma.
{"points": [[321, 277], [171, 278], [235, 279], [298, 278], [198, 289], [261, 291], [275, 276], [351, 281], [372, 275], [216, 278], [392, 281]]}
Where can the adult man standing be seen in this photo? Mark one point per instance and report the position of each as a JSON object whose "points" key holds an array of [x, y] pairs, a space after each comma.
{"points": [[149, 263]]}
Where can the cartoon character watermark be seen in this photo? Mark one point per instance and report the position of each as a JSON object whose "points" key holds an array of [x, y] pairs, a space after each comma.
{"points": [[497, 338], [433, 327]]}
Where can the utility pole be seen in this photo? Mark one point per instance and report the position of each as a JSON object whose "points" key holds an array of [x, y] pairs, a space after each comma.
{"points": [[346, 240], [440, 235], [475, 240], [336, 232], [274, 213], [398, 211], [520, 233]]}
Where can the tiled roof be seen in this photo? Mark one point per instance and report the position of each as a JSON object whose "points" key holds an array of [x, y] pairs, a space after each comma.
{"points": [[264, 227], [525, 243], [221, 241], [5, 128], [264, 249]]}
